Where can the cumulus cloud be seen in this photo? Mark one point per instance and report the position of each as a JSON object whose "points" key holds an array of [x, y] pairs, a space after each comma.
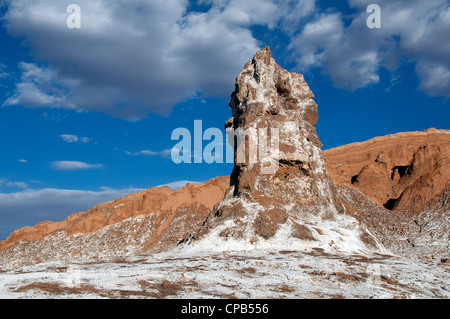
{"points": [[352, 55], [164, 153], [271, 13], [349, 55], [435, 78], [38, 87], [135, 57], [74, 165], [128, 58], [29, 207], [131, 58]]}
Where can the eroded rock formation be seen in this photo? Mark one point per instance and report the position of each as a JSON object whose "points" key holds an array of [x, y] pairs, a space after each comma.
{"points": [[297, 199], [400, 171], [398, 186]]}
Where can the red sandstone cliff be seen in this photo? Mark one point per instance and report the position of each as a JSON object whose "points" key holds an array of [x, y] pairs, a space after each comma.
{"points": [[400, 171]]}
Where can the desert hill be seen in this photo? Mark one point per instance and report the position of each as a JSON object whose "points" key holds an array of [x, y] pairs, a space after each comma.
{"points": [[151, 220], [399, 171]]}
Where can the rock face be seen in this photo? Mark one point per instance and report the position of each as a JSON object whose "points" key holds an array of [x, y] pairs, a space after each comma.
{"points": [[289, 190], [152, 220], [398, 186], [269, 99], [401, 171]]}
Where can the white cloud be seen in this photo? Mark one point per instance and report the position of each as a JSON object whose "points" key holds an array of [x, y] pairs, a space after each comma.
{"points": [[352, 54], [69, 138], [296, 14], [270, 13], [316, 39], [435, 78], [164, 153], [131, 58], [3, 74], [74, 165], [135, 57], [38, 87], [17, 184], [128, 58], [12, 184], [146, 152], [347, 55]]}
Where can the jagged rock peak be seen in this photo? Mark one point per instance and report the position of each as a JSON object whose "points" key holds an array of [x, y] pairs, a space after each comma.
{"points": [[263, 82], [284, 185], [270, 101]]}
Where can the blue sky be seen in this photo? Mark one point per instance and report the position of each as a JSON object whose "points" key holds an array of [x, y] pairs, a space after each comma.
{"points": [[87, 114]]}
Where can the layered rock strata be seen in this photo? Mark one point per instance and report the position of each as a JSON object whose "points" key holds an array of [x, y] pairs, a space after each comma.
{"points": [[398, 186], [404, 171]]}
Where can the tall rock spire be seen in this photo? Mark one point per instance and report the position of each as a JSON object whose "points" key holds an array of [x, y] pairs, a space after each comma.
{"points": [[283, 185]]}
